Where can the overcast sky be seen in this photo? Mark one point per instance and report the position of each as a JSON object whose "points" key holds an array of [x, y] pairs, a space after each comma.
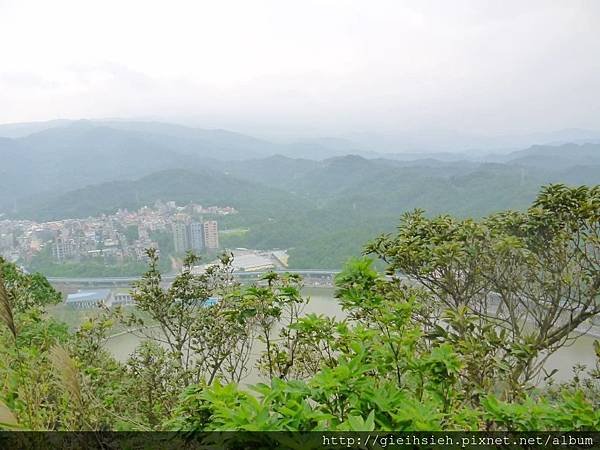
{"points": [[302, 66]]}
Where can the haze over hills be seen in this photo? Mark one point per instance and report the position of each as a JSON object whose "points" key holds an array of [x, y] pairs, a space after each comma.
{"points": [[323, 209], [201, 186], [17, 130], [448, 141], [439, 142], [74, 155]]}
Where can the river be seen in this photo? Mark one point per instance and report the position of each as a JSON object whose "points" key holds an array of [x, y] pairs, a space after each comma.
{"points": [[323, 302]]}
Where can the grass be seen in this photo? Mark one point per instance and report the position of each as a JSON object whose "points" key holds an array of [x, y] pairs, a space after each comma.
{"points": [[234, 232]]}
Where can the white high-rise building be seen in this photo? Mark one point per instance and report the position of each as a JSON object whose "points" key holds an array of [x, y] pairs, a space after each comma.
{"points": [[196, 236], [211, 234], [180, 237]]}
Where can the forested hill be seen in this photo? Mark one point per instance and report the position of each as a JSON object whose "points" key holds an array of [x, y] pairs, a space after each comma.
{"points": [[324, 211], [61, 156], [205, 187], [77, 154]]}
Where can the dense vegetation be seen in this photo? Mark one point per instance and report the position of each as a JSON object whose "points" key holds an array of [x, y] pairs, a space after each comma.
{"points": [[453, 350]]}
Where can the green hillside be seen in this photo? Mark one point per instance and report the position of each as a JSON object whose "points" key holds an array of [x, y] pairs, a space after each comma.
{"points": [[322, 211]]}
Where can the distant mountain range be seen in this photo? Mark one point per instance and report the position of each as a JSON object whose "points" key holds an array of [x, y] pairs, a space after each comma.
{"points": [[72, 155], [323, 209], [65, 157], [443, 144]]}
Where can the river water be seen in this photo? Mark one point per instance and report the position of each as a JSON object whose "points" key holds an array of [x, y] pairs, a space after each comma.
{"points": [[323, 302]]}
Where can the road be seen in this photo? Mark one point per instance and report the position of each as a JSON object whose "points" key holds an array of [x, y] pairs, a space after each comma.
{"points": [[115, 281]]}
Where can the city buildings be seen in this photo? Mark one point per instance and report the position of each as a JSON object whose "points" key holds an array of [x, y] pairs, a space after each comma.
{"points": [[211, 235], [180, 237], [196, 236], [120, 237], [64, 248]]}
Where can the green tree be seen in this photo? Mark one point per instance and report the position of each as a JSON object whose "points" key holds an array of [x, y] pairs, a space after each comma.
{"points": [[521, 282]]}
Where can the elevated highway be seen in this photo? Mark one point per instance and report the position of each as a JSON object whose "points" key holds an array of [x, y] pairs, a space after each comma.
{"points": [[308, 274]]}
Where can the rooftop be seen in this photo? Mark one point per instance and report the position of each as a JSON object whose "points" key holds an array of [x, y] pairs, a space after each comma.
{"points": [[89, 296]]}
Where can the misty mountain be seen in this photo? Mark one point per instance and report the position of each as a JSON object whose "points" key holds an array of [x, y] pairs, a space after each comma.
{"points": [[65, 158], [373, 184], [324, 148], [323, 179], [576, 175], [201, 186], [221, 144], [334, 212], [404, 145], [17, 130], [215, 144], [275, 171], [323, 211], [556, 158], [16, 168], [566, 136], [451, 141], [62, 158]]}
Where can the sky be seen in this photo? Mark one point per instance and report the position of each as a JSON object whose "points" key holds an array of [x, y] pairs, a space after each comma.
{"points": [[305, 67]]}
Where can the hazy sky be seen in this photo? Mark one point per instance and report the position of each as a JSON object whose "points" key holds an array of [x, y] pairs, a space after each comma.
{"points": [[305, 66]]}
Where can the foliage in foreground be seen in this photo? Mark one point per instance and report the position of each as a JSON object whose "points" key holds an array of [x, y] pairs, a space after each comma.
{"points": [[450, 348], [384, 376]]}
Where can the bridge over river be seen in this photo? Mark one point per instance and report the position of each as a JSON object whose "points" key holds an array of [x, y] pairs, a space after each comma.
{"points": [[318, 276], [312, 277]]}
